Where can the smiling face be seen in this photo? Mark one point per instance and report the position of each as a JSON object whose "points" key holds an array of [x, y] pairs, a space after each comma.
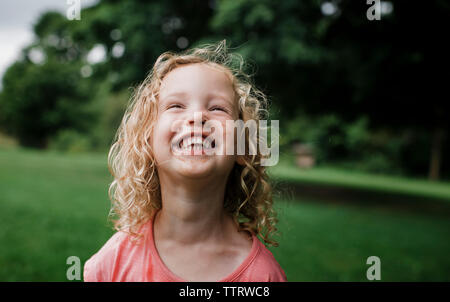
{"points": [[192, 97]]}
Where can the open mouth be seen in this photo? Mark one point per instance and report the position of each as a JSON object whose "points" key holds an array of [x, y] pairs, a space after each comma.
{"points": [[191, 144]]}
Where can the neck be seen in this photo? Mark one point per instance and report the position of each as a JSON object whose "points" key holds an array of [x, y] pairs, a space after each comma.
{"points": [[192, 212]]}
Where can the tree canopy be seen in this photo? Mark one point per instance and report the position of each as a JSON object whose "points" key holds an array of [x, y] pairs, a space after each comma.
{"points": [[320, 61]]}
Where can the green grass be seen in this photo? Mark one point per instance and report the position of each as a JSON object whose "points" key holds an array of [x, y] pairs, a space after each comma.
{"points": [[323, 242], [53, 206], [286, 171]]}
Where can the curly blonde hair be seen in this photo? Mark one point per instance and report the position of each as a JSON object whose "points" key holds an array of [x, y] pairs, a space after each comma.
{"points": [[135, 190]]}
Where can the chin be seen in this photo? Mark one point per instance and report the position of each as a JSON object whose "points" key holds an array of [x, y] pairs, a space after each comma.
{"points": [[195, 166], [199, 174]]}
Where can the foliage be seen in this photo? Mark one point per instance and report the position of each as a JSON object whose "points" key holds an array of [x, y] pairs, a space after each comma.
{"points": [[110, 112], [355, 78], [70, 141], [350, 144], [344, 65], [37, 100]]}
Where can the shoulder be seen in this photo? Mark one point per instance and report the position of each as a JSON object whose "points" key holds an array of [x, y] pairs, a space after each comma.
{"points": [[265, 267], [101, 266]]}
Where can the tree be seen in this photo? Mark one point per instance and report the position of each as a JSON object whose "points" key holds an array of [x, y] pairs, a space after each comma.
{"points": [[39, 100], [337, 61], [44, 96]]}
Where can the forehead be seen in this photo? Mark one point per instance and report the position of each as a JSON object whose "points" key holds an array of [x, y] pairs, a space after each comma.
{"points": [[197, 77]]}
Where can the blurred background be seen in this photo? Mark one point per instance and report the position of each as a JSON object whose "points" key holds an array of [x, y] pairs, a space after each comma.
{"points": [[364, 125]]}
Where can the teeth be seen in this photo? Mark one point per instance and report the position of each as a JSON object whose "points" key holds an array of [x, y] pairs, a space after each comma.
{"points": [[194, 147], [196, 144], [195, 141], [192, 140]]}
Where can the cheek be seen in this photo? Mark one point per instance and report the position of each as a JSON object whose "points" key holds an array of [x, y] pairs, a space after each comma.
{"points": [[155, 133], [229, 138], [160, 140], [162, 128]]}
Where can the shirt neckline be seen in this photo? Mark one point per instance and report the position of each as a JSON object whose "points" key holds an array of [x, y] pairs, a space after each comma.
{"points": [[173, 277]]}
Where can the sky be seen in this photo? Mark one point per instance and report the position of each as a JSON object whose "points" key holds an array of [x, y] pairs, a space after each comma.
{"points": [[16, 24]]}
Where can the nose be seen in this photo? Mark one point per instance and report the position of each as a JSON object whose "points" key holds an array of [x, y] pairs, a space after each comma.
{"points": [[193, 120], [197, 117]]}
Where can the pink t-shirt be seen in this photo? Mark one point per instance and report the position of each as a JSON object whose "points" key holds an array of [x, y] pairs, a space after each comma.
{"points": [[121, 260]]}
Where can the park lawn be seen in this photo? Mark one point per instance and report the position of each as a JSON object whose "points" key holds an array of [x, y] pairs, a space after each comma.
{"points": [[53, 206], [286, 171], [326, 242]]}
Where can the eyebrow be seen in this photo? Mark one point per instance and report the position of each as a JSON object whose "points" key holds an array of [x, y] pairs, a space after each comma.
{"points": [[221, 96], [175, 94]]}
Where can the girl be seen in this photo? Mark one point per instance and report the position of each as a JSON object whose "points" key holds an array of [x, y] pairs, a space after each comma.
{"points": [[182, 213]]}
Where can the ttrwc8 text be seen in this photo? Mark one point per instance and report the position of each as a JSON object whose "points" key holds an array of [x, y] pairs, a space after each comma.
{"points": [[227, 291]]}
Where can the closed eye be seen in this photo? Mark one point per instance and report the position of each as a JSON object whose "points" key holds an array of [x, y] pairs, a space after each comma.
{"points": [[173, 106], [218, 108]]}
